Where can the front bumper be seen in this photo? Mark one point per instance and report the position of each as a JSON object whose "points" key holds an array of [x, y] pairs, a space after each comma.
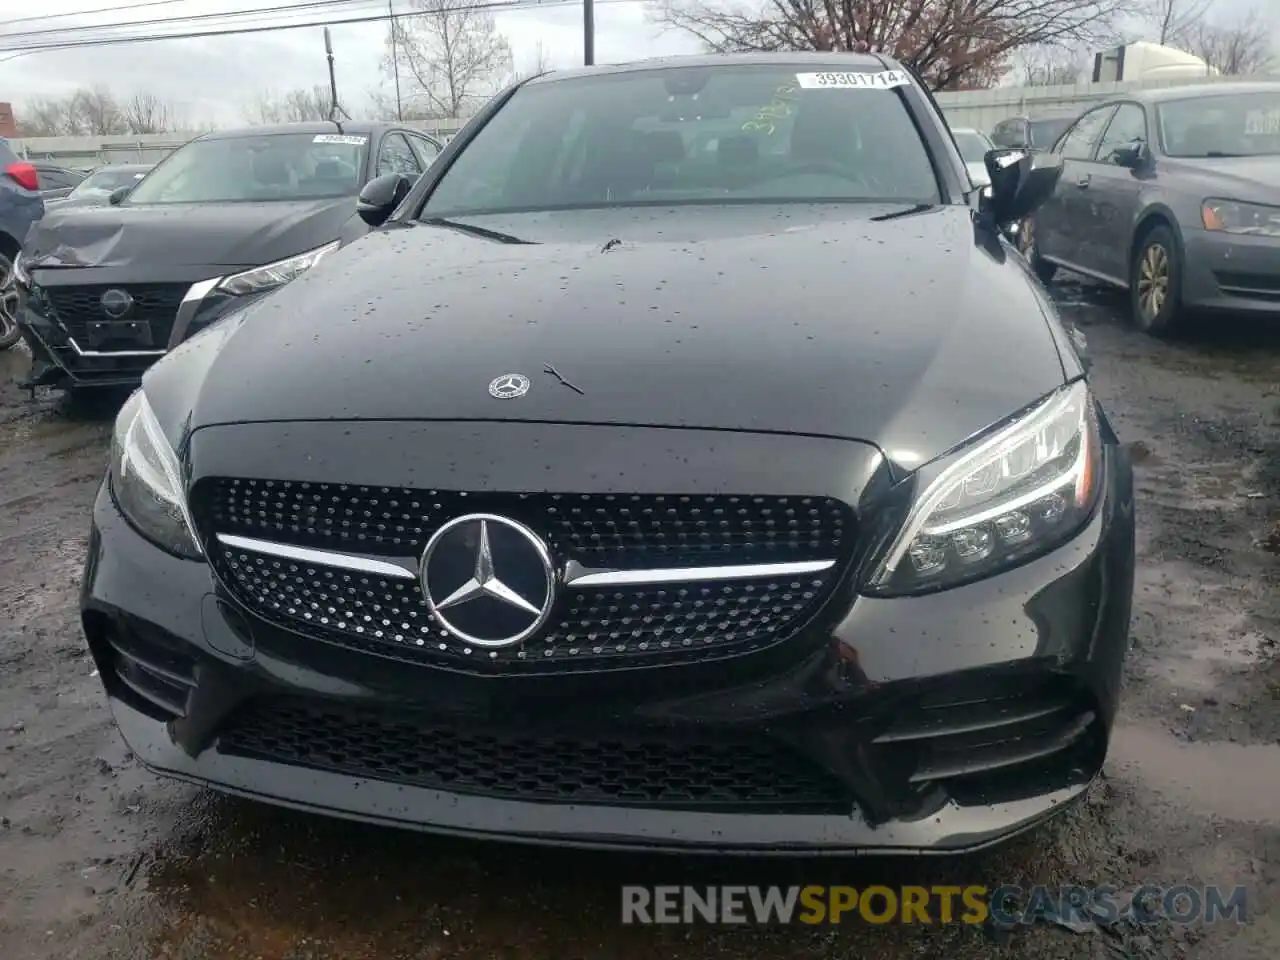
{"points": [[60, 359], [183, 665], [1230, 272]]}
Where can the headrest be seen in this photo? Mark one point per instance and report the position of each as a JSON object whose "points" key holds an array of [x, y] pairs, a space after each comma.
{"points": [[1202, 137], [663, 146], [270, 168], [738, 151]]}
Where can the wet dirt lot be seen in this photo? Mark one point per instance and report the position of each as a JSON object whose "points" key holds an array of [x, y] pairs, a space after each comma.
{"points": [[100, 860]]}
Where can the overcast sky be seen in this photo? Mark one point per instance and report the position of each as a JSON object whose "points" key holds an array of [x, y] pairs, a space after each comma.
{"points": [[217, 79]]}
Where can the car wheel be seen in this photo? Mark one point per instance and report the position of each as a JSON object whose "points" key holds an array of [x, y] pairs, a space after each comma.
{"points": [[9, 332], [1027, 247], [1155, 284]]}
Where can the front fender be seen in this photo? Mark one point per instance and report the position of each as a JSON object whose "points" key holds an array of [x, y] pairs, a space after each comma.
{"points": [[1154, 207]]}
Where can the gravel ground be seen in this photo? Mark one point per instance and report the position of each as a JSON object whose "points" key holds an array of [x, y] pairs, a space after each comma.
{"points": [[100, 860]]}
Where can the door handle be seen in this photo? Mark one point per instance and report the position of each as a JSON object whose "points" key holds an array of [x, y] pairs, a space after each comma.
{"points": [[1084, 181]]}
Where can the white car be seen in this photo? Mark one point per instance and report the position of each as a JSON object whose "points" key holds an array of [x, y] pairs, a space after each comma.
{"points": [[974, 145]]}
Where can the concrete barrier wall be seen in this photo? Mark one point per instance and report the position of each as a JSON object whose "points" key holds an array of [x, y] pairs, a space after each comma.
{"points": [[148, 148], [982, 109]]}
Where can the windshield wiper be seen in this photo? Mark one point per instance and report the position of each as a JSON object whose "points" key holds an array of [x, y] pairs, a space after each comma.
{"points": [[477, 231], [914, 208]]}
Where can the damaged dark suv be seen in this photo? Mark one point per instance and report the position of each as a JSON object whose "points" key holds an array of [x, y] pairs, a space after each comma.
{"points": [[686, 462], [228, 217]]}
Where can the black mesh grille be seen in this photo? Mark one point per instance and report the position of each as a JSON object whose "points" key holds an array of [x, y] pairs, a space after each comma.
{"points": [[641, 769], [146, 325], [628, 530], [589, 628]]}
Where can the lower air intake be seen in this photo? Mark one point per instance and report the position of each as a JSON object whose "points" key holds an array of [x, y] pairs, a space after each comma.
{"points": [[644, 769]]}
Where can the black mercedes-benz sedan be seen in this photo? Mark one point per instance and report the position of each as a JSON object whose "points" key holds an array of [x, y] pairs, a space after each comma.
{"points": [[228, 217], [686, 462]]}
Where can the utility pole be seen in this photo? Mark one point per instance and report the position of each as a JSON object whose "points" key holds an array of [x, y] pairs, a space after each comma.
{"points": [[395, 59], [588, 32]]}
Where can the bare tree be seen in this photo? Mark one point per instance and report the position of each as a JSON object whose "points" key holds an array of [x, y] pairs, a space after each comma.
{"points": [[97, 113], [46, 117], [540, 62], [952, 44], [1176, 21], [291, 106], [382, 106], [87, 112], [1048, 67], [449, 54], [147, 113], [1243, 47]]}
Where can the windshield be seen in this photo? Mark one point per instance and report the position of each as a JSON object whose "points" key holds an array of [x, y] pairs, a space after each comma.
{"points": [[1045, 133], [289, 166], [699, 135], [973, 145], [1222, 125], [105, 182]]}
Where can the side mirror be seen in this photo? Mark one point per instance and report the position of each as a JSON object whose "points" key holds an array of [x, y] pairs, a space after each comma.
{"points": [[118, 194], [381, 196], [1021, 180], [1132, 155]]}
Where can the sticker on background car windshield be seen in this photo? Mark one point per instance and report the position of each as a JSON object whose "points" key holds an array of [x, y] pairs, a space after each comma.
{"points": [[1262, 123], [862, 80], [340, 138]]}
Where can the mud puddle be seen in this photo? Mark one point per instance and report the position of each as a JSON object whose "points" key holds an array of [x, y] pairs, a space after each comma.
{"points": [[1231, 781]]}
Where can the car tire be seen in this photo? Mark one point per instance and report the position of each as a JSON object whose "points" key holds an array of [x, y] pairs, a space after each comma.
{"points": [[1155, 282], [9, 332], [1043, 269]]}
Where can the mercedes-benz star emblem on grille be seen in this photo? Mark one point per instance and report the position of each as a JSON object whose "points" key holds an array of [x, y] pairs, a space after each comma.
{"points": [[508, 386], [488, 580], [116, 303]]}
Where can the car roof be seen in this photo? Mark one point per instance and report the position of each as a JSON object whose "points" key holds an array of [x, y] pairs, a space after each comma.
{"points": [[1196, 90], [831, 60], [352, 127], [122, 167]]}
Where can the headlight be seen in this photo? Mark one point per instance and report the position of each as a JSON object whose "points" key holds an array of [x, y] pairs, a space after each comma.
{"points": [[275, 274], [147, 482], [20, 275], [1018, 492], [1227, 216]]}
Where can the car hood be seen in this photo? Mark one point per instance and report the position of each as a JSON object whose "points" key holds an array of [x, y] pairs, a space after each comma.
{"points": [[1244, 178], [912, 332], [69, 201], [213, 235]]}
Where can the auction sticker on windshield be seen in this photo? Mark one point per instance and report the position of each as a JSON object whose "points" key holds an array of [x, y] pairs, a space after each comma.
{"points": [[862, 80], [1262, 123], [340, 138]]}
